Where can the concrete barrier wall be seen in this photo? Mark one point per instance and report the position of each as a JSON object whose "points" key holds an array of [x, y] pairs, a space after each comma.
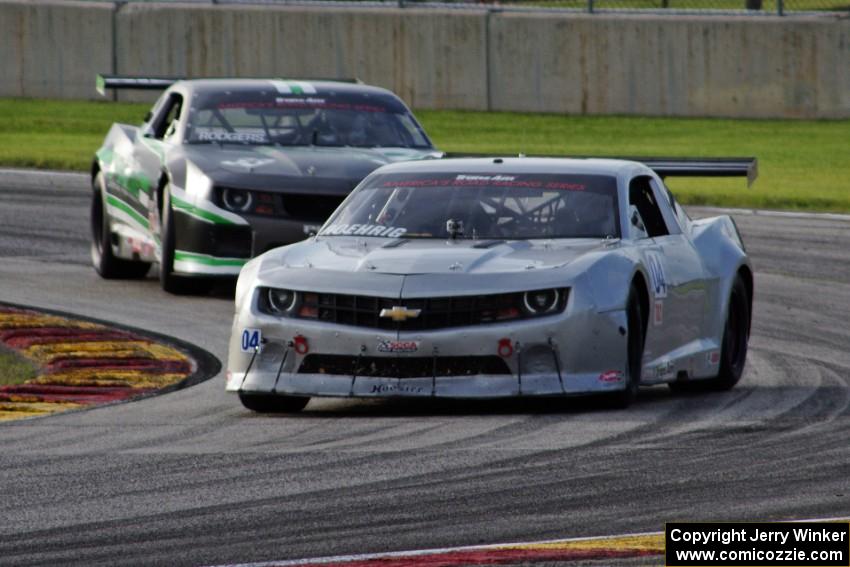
{"points": [[562, 63], [680, 66], [52, 49], [430, 58]]}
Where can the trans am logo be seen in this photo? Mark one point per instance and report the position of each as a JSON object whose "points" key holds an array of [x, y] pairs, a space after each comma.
{"points": [[398, 346]]}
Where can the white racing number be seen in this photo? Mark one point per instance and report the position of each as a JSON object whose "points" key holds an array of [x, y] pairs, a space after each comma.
{"points": [[252, 340]]}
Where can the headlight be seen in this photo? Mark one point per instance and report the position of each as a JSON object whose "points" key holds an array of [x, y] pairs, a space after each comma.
{"points": [[280, 300], [288, 303], [237, 200], [541, 301], [198, 185], [276, 301]]}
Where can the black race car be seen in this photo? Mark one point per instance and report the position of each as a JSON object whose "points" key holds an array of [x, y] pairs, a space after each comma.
{"points": [[222, 170]]}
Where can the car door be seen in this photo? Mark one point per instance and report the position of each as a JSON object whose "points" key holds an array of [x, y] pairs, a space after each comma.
{"points": [[677, 280], [149, 153]]}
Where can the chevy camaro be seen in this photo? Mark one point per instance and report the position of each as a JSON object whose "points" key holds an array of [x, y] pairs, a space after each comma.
{"points": [[498, 277], [224, 169]]}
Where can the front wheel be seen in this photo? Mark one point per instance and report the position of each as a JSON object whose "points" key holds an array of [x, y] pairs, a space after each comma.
{"points": [[268, 403], [105, 263], [170, 282], [634, 353]]}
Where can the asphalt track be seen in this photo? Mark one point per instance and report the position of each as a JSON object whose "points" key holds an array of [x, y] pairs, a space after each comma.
{"points": [[191, 478]]}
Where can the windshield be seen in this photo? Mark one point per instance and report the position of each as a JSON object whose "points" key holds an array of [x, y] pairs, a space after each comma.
{"points": [[498, 206], [268, 117]]}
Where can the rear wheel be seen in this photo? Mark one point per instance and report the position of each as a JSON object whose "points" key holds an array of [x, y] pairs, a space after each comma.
{"points": [[733, 353], [104, 261], [267, 403], [178, 285], [634, 352], [736, 337]]}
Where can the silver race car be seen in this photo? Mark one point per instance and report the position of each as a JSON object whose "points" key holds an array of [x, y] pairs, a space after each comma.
{"points": [[487, 278]]}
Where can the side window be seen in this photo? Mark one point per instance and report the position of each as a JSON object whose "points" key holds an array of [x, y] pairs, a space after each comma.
{"points": [[643, 199], [683, 217], [166, 121]]}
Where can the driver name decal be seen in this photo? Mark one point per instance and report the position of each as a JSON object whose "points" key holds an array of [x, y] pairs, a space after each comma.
{"points": [[364, 230]]}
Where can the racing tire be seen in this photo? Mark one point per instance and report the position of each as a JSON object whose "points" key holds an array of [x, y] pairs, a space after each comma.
{"points": [[105, 263], [170, 282], [267, 403], [634, 353], [733, 353]]}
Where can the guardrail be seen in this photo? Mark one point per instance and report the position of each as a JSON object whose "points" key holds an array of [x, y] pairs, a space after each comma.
{"points": [[670, 7]]}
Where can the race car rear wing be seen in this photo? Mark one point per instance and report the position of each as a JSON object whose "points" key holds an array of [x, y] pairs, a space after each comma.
{"points": [[671, 167], [703, 167], [103, 82]]}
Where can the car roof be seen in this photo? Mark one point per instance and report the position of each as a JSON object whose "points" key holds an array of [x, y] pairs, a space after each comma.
{"points": [[253, 84], [495, 165]]}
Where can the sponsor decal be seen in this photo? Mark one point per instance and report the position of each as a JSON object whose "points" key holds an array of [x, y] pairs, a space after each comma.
{"points": [[214, 136], [665, 369], [485, 178], [248, 162], [398, 346], [713, 357], [611, 376], [365, 230], [252, 340], [488, 181], [309, 101], [396, 389], [658, 312], [656, 273]]}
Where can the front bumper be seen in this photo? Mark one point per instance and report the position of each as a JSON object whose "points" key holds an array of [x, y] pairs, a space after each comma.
{"points": [[567, 354], [205, 248]]}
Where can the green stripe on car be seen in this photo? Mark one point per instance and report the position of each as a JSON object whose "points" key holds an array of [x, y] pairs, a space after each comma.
{"points": [[183, 256], [198, 212], [134, 214]]}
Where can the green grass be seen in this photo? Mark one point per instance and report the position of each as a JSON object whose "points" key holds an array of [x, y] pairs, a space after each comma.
{"points": [[55, 134], [803, 164], [15, 369]]}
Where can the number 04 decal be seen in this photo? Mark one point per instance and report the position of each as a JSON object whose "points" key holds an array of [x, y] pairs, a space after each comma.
{"points": [[252, 340]]}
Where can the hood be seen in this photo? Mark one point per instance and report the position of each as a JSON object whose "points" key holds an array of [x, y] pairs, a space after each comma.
{"points": [[336, 170], [426, 268], [415, 257]]}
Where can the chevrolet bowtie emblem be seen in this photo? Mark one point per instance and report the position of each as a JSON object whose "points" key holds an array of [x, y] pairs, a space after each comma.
{"points": [[399, 313]]}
